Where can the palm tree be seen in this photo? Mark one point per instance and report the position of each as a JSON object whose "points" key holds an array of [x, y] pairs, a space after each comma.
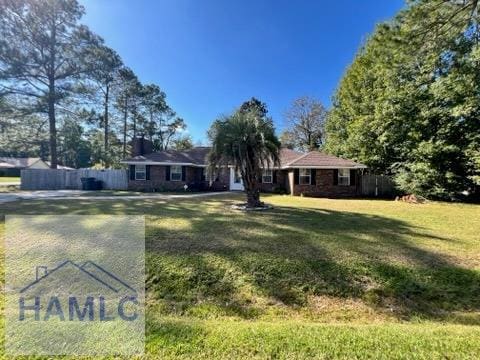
{"points": [[245, 140]]}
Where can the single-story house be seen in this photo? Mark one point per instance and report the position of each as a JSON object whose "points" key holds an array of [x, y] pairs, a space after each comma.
{"points": [[11, 166], [311, 174]]}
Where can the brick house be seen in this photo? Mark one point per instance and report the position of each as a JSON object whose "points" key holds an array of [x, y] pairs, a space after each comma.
{"points": [[311, 174]]}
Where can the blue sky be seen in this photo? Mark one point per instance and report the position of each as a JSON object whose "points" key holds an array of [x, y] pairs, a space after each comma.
{"points": [[211, 55]]}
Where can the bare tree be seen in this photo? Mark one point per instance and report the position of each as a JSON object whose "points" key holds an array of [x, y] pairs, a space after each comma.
{"points": [[305, 122]]}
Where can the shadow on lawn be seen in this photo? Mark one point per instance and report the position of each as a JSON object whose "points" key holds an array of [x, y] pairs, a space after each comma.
{"points": [[290, 253], [215, 260]]}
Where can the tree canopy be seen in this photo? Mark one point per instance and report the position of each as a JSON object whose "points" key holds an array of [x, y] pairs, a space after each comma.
{"points": [[409, 104], [60, 78], [305, 124]]}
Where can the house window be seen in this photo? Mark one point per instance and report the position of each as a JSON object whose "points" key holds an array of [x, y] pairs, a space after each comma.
{"points": [[140, 172], [267, 176], [237, 179], [305, 177], [344, 177], [175, 173]]}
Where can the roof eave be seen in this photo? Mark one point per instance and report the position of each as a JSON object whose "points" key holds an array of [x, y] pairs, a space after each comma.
{"points": [[160, 163], [324, 167]]}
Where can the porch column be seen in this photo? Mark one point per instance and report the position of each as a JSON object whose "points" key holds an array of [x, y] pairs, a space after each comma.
{"points": [[291, 182]]}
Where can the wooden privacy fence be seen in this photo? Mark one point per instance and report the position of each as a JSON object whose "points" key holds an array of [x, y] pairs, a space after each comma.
{"points": [[377, 186], [56, 179]]}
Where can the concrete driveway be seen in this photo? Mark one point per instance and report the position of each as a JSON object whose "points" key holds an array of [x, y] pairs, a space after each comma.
{"points": [[89, 195]]}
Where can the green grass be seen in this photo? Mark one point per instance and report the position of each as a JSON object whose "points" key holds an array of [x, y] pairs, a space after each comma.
{"points": [[9, 179], [186, 339], [9, 188], [310, 278]]}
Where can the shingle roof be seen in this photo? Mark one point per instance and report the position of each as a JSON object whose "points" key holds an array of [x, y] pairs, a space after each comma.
{"points": [[195, 156], [319, 159], [19, 163], [288, 155], [288, 158]]}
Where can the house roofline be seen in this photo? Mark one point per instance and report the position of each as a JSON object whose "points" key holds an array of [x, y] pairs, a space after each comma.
{"points": [[161, 163], [286, 167], [36, 161]]}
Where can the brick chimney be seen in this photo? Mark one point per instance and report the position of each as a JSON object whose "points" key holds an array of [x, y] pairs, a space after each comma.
{"points": [[141, 146]]}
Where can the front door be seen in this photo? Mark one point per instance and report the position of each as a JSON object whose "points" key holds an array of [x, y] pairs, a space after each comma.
{"points": [[236, 182]]}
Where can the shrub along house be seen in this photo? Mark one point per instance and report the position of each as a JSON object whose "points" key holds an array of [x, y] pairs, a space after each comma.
{"points": [[311, 174]]}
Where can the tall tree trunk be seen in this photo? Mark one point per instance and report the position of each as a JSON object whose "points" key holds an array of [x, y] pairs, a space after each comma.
{"points": [[52, 98], [105, 116], [134, 121], [150, 135], [125, 118], [310, 142], [52, 123], [105, 124], [160, 134]]}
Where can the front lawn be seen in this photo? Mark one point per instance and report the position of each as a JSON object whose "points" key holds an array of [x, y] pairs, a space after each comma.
{"points": [[310, 278], [6, 179]]}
